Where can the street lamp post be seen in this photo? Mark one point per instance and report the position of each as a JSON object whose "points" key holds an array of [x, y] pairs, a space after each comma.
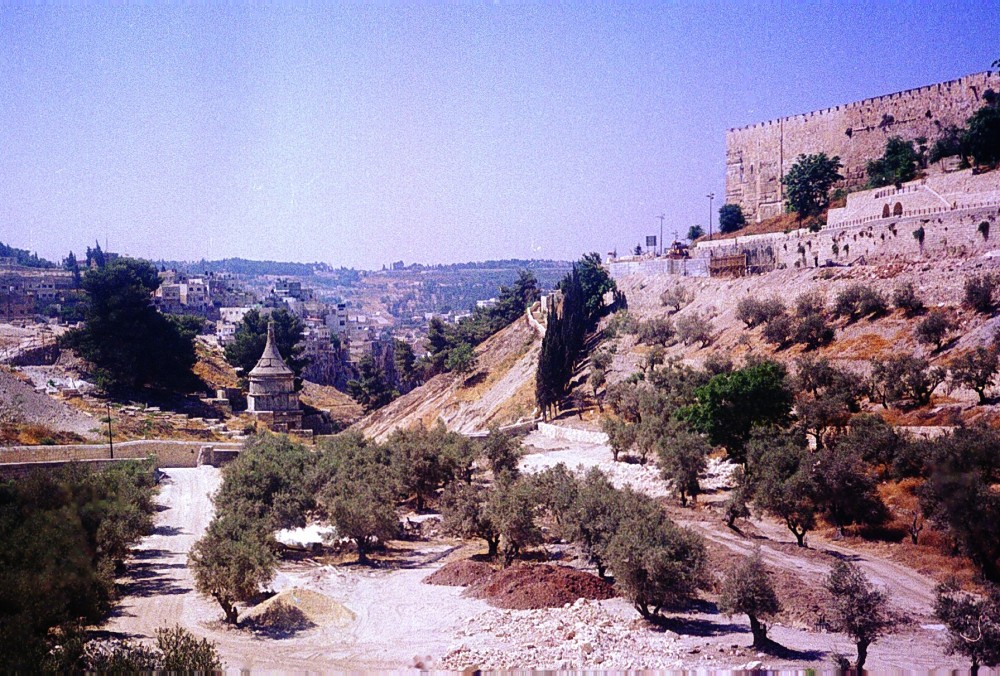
{"points": [[710, 196], [111, 441], [661, 217]]}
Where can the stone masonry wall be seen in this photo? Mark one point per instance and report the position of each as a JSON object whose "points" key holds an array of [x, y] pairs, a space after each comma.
{"points": [[166, 452], [758, 155]]}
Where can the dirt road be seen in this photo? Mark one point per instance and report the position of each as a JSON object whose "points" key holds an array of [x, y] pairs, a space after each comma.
{"points": [[159, 591], [399, 619], [401, 622]]}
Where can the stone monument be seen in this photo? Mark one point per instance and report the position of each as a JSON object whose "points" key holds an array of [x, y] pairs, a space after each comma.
{"points": [[272, 398]]}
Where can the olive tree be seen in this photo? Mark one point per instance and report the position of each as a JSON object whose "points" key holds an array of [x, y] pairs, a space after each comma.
{"points": [[463, 513], [973, 624], [682, 457], [858, 609], [656, 563], [233, 560], [976, 370], [594, 516], [511, 507], [748, 589], [360, 501]]}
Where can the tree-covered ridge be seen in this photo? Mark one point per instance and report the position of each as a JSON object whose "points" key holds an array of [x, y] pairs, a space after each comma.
{"points": [[243, 266], [514, 264], [24, 257]]}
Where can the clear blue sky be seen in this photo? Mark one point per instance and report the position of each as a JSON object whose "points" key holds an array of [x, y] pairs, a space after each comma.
{"points": [[357, 134]]}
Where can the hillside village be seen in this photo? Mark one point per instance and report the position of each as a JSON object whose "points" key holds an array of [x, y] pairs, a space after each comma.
{"points": [[610, 516]]}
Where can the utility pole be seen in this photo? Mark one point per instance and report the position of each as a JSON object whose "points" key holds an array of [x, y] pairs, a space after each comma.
{"points": [[661, 217], [111, 441], [710, 196]]}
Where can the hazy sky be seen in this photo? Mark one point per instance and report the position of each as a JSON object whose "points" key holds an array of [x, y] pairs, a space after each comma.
{"points": [[357, 134]]}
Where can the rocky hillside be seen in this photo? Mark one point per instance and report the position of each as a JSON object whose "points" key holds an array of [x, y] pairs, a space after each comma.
{"points": [[499, 391], [939, 283]]}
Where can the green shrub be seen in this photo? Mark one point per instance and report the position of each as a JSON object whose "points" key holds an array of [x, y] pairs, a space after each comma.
{"points": [[906, 299], [857, 301], [979, 290]]}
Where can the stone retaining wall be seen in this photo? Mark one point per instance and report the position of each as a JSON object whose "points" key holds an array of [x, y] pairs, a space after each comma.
{"points": [[166, 453], [572, 434]]}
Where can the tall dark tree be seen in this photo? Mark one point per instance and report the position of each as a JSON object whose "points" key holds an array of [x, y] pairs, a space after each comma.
{"points": [[595, 282], [96, 257], [73, 266], [128, 342]]}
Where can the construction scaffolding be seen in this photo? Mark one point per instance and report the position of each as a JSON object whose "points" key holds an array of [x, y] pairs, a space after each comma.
{"points": [[733, 265]]}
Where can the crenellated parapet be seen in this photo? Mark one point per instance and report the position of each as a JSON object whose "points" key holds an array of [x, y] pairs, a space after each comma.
{"points": [[758, 155]]}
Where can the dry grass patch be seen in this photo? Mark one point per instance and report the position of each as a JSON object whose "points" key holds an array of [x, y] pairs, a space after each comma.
{"points": [[23, 434]]}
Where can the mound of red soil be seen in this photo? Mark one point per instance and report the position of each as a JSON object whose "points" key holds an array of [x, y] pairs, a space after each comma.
{"points": [[460, 573], [540, 586]]}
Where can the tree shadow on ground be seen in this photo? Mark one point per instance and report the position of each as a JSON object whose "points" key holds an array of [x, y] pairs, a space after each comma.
{"points": [[843, 556], [277, 632], [143, 554], [148, 579], [775, 649], [475, 379], [167, 531], [696, 626]]}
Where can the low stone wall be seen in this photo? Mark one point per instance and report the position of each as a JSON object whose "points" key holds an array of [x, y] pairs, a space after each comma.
{"points": [[166, 453], [20, 470], [951, 233], [572, 434], [688, 267]]}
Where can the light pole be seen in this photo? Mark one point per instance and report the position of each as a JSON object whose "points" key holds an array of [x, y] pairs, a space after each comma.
{"points": [[111, 441], [661, 217], [710, 196]]}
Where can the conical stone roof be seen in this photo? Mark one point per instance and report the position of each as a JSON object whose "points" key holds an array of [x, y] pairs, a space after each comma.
{"points": [[270, 362]]}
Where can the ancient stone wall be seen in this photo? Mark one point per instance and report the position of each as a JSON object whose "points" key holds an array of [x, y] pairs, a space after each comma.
{"points": [[167, 453], [758, 155]]}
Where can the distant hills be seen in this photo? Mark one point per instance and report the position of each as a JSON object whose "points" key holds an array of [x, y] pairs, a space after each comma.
{"points": [[243, 266]]}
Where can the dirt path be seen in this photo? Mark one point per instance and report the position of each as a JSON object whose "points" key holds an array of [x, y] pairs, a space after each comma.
{"points": [[159, 590], [919, 641], [401, 622], [399, 619]]}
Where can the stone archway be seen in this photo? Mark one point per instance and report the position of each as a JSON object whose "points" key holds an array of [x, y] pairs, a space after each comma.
{"points": [[897, 210], [885, 211]]}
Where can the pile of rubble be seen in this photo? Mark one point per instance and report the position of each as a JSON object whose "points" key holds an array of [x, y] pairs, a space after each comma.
{"points": [[581, 635]]}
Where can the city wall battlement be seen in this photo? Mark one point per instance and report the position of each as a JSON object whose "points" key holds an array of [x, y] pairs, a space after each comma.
{"points": [[758, 155]]}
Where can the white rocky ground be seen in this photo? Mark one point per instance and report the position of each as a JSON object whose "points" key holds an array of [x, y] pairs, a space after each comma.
{"points": [[403, 623]]}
